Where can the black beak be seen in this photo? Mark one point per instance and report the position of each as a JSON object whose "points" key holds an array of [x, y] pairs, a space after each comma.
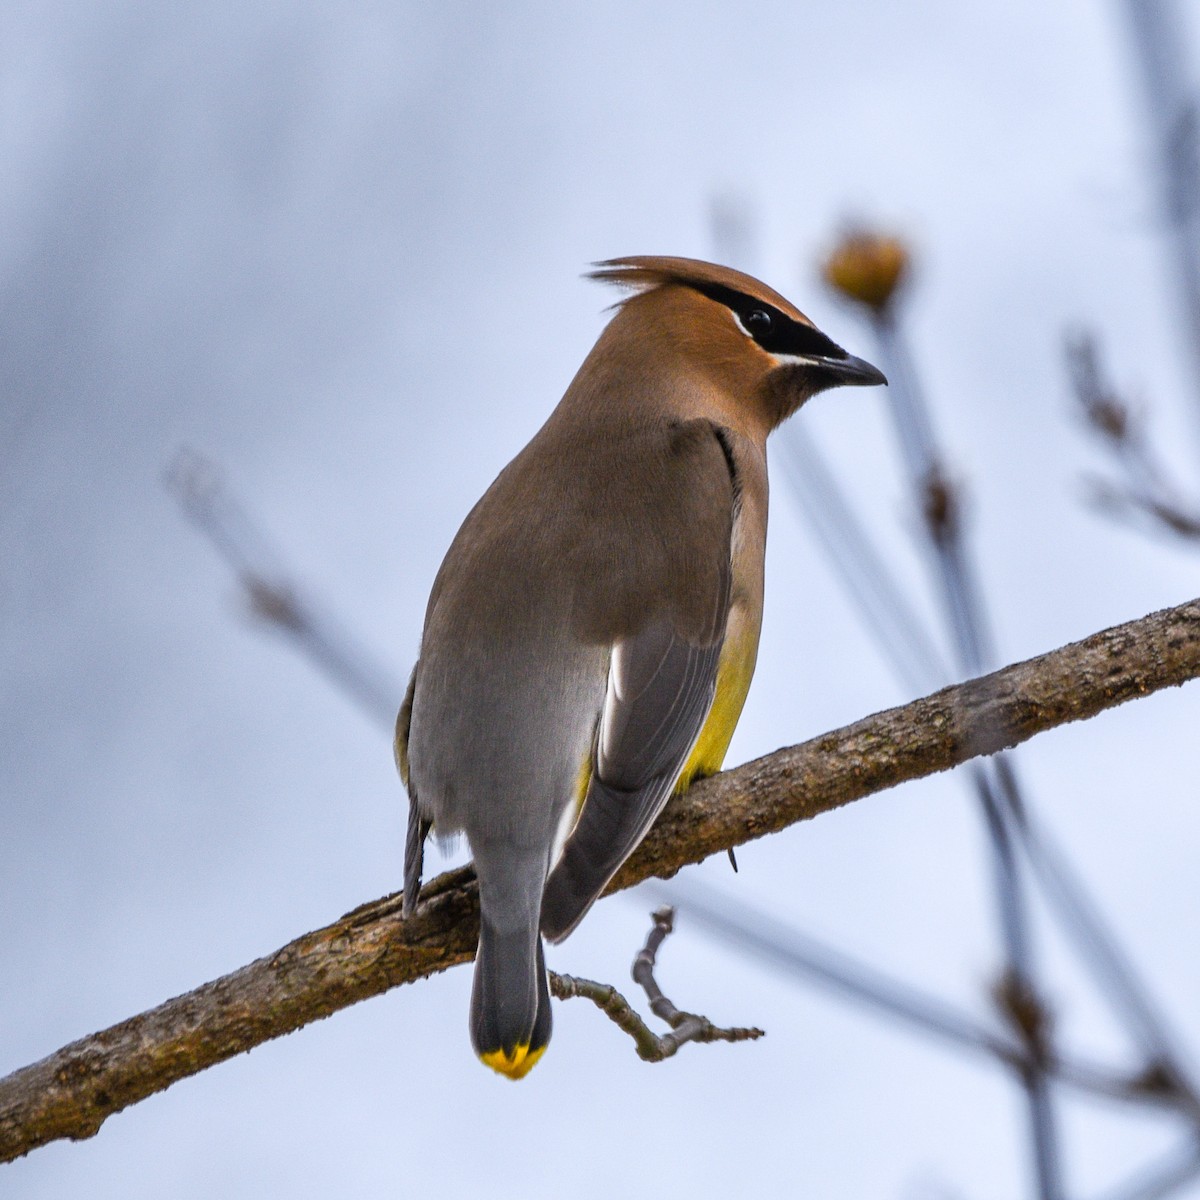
{"points": [[855, 372]]}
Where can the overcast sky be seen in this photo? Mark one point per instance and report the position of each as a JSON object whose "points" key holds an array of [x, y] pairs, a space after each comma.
{"points": [[338, 249]]}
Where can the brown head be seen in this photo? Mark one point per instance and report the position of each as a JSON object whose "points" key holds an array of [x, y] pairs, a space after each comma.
{"points": [[754, 350]]}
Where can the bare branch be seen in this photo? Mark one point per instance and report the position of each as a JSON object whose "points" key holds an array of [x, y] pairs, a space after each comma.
{"points": [[371, 949], [685, 1027]]}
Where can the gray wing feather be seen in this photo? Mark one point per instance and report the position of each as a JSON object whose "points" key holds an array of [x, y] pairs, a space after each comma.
{"points": [[414, 856], [660, 690], [418, 825]]}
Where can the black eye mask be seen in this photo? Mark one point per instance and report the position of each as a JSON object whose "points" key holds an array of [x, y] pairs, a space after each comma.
{"points": [[774, 331]]}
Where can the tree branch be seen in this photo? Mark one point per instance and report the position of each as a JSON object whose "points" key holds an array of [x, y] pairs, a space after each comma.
{"points": [[72, 1092]]}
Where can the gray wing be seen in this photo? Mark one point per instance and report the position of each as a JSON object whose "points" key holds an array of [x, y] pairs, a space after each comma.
{"points": [[660, 689]]}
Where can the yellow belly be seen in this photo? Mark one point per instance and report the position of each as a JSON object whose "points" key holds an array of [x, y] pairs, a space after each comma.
{"points": [[734, 672]]}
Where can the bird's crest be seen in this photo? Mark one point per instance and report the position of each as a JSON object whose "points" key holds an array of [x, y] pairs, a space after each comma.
{"points": [[644, 273]]}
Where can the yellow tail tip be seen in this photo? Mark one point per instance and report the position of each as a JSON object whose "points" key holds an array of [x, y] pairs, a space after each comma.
{"points": [[516, 1065]]}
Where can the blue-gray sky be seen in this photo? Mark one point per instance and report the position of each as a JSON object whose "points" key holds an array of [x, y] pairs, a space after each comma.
{"points": [[338, 248]]}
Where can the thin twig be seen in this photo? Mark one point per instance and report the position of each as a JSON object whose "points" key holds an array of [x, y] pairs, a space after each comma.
{"points": [[885, 609], [272, 596], [685, 1027], [1146, 492]]}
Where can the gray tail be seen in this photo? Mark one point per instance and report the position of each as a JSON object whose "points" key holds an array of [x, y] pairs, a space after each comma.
{"points": [[510, 1002]]}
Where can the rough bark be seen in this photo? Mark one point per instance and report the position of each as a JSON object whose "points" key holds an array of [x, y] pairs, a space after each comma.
{"points": [[72, 1092]]}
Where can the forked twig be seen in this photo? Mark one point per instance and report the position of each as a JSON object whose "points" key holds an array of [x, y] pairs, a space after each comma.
{"points": [[685, 1027]]}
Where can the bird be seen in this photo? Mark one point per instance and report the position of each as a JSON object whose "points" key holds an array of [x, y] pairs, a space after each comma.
{"points": [[591, 634]]}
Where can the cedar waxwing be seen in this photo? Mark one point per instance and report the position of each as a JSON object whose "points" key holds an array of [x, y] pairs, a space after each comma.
{"points": [[592, 632]]}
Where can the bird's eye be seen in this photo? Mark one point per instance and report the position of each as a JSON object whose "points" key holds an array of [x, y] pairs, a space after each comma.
{"points": [[758, 321]]}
